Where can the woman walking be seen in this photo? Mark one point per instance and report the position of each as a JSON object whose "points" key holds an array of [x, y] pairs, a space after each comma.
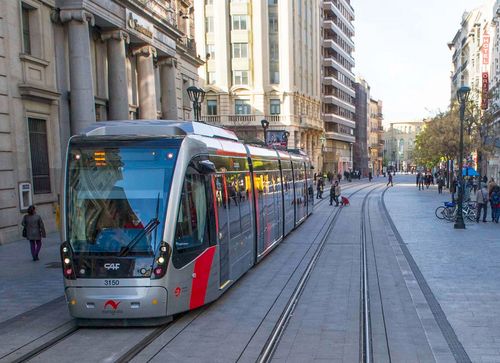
{"points": [[34, 231]]}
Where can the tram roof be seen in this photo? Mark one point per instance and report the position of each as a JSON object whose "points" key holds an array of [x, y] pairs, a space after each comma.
{"points": [[157, 128]]}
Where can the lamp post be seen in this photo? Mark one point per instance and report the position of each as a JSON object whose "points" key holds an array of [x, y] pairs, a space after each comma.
{"points": [[462, 96], [196, 95], [265, 125]]}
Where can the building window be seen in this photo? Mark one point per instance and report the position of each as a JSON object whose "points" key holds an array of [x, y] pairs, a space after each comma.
{"points": [[240, 50], [211, 51], [240, 22], [273, 23], [275, 107], [240, 77], [211, 107], [242, 107], [39, 155], [25, 22], [211, 77], [274, 72], [272, 2], [209, 24], [274, 51]]}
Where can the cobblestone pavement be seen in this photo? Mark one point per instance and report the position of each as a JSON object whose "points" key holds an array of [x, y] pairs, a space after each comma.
{"points": [[462, 267], [24, 283]]}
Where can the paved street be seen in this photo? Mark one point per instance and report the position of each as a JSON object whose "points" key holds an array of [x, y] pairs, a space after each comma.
{"points": [[410, 322]]}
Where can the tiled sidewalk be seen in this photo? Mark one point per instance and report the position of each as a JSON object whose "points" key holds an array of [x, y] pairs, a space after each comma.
{"points": [[462, 267], [24, 283]]}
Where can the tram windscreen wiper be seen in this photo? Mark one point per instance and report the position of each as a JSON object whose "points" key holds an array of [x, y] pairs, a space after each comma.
{"points": [[150, 227]]}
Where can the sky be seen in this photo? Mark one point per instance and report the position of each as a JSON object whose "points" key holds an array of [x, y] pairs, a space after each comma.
{"points": [[401, 51]]}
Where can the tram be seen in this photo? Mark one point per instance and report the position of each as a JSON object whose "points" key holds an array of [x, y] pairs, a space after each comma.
{"points": [[162, 217]]}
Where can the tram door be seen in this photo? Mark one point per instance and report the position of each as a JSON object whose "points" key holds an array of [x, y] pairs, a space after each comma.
{"points": [[234, 196], [221, 197]]}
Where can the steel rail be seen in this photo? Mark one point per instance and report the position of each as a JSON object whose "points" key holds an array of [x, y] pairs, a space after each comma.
{"points": [[42, 348], [272, 342]]}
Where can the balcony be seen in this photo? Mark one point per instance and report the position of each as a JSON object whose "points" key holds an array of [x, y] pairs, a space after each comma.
{"points": [[253, 120], [332, 81], [331, 117], [163, 10], [330, 24], [331, 44], [332, 62], [340, 103], [341, 137], [330, 6], [189, 44]]}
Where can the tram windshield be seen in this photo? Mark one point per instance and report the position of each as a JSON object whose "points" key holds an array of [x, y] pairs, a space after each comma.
{"points": [[117, 197]]}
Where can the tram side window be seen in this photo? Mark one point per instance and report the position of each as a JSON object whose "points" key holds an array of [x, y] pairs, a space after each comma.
{"points": [[191, 235]]}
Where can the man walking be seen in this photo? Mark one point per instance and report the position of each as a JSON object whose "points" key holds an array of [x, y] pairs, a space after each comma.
{"points": [[482, 203], [319, 189], [390, 180]]}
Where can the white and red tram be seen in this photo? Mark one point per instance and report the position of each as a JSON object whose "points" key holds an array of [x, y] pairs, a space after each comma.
{"points": [[162, 217]]}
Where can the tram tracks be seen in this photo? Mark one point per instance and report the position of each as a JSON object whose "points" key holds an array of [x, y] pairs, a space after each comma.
{"points": [[268, 349], [143, 343]]}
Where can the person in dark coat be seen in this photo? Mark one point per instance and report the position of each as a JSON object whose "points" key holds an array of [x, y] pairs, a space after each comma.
{"points": [[34, 231], [319, 188], [390, 180], [332, 193]]}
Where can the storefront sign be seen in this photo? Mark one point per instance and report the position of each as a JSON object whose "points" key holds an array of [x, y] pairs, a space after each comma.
{"points": [[139, 24], [484, 91], [485, 50]]}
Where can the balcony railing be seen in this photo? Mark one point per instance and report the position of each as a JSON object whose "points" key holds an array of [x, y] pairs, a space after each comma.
{"points": [[253, 120]]}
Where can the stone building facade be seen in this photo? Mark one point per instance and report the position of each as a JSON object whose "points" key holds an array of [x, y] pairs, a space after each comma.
{"points": [[338, 84], [361, 132], [65, 64], [400, 143], [376, 137], [476, 60], [263, 61]]}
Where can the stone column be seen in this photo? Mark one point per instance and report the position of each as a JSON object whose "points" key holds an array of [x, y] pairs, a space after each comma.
{"points": [[80, 69], [117, 75], [146, 80], [168, 75]]}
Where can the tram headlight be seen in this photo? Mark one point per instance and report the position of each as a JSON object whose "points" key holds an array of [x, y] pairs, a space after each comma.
{"points": [[67, 267], [160, 267]]}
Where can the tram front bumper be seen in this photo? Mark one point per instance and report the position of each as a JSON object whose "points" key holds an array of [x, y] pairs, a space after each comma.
{"points": [[117, 302]]}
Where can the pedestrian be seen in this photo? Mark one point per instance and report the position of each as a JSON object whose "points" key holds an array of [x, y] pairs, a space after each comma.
{"points": [[482, 203], [33, 231], [390, 180], [319, 188], [453, 188], [418, 180], [440, 182], [491, 186], [339, 177], [332, 193], [370, 176], [495, 203], [337, 193]]}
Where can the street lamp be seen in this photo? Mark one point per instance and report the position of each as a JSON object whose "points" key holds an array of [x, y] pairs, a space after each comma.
{"points": [[196, 95], [265, 125], [462, 96]]}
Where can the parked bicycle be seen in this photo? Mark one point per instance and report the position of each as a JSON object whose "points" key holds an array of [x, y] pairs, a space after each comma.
{"points": [[449, 211]]}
